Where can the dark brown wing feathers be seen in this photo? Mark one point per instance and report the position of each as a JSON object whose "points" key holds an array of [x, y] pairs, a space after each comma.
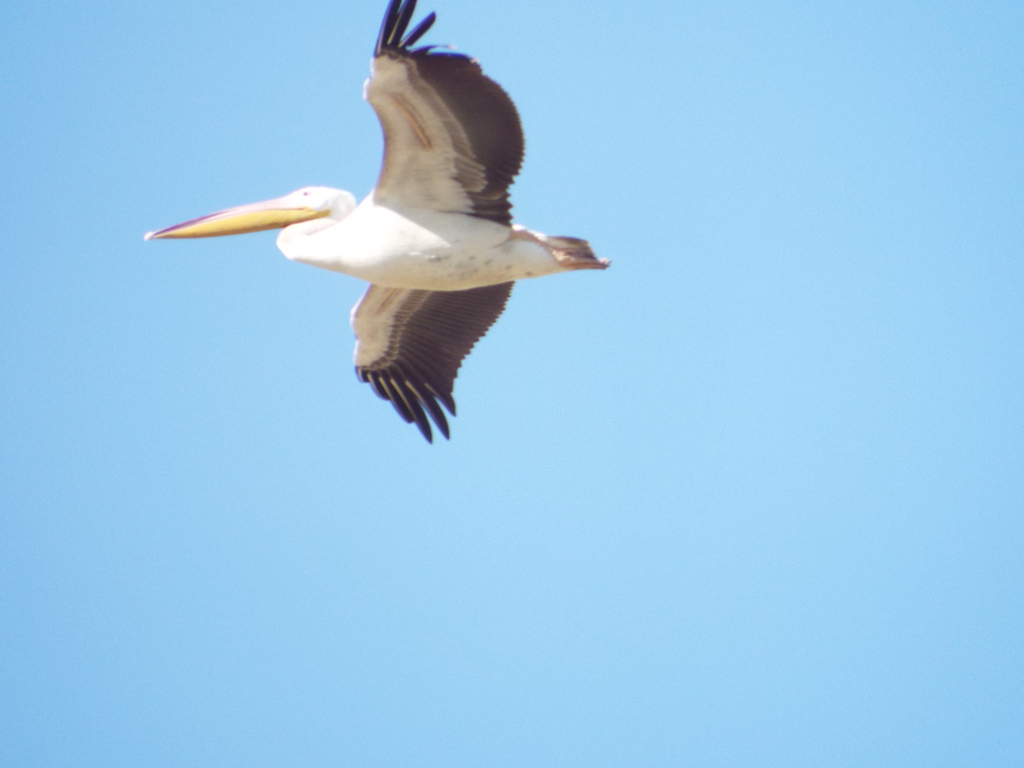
{"points": [[430, 339], [479, 104], [491, 123]]}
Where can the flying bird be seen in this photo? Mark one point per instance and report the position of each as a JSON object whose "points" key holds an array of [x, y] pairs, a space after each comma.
{"points": [[434, 238]]}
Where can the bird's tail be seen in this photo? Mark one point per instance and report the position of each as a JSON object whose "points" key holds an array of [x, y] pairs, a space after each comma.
{"points": [[571, 252], [574, 253]]}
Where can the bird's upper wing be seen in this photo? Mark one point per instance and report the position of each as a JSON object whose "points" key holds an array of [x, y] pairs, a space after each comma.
{"points": [[410, 344], [452, 138]]}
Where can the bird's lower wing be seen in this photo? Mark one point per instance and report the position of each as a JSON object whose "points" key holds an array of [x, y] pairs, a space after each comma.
{"points": [[410, 344]]}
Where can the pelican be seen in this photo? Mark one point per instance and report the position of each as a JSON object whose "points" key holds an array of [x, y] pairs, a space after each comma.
{"points": [[434, 238]]}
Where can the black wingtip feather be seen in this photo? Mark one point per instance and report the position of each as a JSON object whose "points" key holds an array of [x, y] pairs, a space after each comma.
{"points": [[421, 29], [409, 402], [413, 407], [396, 21], [410, 375], [387, 27]]}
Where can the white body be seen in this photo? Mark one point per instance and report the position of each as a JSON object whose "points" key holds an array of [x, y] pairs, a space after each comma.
{"points": [[419, 249]]}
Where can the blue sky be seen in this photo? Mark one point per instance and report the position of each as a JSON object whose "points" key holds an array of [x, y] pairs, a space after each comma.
{"points": [[751, 497]]}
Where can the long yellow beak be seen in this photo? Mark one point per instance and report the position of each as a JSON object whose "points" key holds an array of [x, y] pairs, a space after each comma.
{"points": [[255, 217]]}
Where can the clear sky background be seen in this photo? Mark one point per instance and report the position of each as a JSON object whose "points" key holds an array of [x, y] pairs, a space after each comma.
{"points": [[754, 496]]}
